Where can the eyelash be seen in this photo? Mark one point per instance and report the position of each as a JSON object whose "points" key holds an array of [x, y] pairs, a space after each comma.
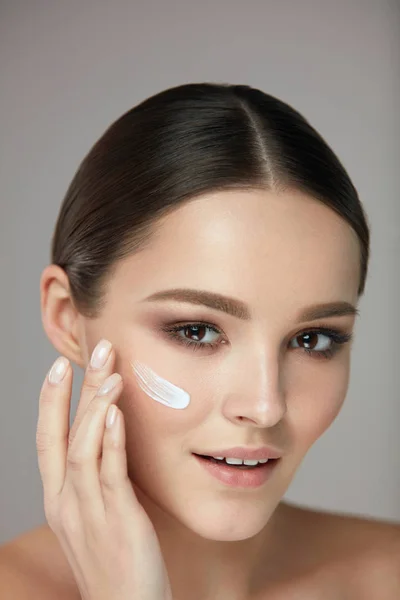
{"points": [[337, 337]]}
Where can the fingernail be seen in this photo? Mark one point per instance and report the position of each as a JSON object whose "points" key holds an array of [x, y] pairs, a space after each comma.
{"points": [[111, 414], [100, 354], [58, 370], [109, 384]]}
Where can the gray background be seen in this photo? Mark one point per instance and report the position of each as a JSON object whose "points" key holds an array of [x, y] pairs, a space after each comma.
{"points": [[70, 68]]}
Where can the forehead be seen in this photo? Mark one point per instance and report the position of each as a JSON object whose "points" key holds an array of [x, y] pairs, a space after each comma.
{"points": [[256, 245]]}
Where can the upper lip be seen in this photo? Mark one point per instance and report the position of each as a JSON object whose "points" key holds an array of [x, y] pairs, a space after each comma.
{"points": [[245, 453]]}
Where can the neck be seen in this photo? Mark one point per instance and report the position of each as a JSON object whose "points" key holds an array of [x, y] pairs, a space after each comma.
{"points": [[202, 569]]}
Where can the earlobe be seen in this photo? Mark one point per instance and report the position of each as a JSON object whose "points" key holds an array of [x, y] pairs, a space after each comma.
{"points": [[60, 318]]}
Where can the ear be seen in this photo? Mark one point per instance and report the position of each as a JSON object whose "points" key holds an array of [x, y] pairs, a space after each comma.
{"points": [[61, 320]]}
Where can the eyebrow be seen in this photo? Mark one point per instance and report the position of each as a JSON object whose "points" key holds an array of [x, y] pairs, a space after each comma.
{"points": [[240, 310]]}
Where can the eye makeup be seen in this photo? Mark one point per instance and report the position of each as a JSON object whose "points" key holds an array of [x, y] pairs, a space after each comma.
{"points": [[337, 338], [159, 389], [174, 330]]}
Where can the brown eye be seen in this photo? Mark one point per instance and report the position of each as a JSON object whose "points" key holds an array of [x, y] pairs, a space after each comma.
{"points": [[308, 340], [323, 342], [195, 335], [195, 332]]}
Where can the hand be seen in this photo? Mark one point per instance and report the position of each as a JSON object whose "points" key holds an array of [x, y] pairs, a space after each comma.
{"points": [[89, 501]]}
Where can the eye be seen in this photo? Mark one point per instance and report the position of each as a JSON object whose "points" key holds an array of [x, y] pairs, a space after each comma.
{"points": [[312, 344], [205, 335]]}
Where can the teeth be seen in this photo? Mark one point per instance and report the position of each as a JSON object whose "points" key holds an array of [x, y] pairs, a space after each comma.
{"points": [[234, 461], [238, 461]]}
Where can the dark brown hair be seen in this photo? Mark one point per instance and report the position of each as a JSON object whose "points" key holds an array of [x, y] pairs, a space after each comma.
{"points": [[174, 146]]}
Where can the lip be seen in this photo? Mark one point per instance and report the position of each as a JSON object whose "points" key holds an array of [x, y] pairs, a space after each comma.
{"points": [[236, 477], [243, 453]]}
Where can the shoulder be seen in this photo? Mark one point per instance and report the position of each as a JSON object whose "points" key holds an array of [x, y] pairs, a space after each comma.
{"points": [[32, 566], [378, 569], [361, 553]]}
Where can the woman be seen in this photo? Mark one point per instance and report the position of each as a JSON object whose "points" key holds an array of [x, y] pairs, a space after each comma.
{"points": [[207, 260]]}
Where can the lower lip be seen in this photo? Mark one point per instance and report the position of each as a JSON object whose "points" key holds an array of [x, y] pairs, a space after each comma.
{"points": [[235, 477]]}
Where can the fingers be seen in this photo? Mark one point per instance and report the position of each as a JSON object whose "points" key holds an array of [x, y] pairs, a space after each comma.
{"points": [[90, 459], [85, 450], [53, 435], [53, 427], [99, 368], [117, 489]]}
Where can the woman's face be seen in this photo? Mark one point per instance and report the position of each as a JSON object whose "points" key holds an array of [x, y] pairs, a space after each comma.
{"points": [[256, 384]]}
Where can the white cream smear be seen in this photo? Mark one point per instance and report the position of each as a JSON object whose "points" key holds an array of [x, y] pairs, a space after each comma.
{"points": [[159, 388]]}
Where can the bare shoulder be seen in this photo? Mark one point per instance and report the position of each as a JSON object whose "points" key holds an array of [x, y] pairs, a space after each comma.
{"points": [[358, 555], [374, 566], [33, 566]]}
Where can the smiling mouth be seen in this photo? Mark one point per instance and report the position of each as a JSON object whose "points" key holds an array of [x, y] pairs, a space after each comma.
{"points": [[241, 467]]}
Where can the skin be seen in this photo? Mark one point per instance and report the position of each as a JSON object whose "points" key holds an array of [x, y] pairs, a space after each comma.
{"points": [[279, 254]]}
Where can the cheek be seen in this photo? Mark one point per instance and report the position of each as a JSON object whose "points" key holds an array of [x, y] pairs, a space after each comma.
{"points": [[156, 435], [315, 408], [159, 389], [149, 421]]}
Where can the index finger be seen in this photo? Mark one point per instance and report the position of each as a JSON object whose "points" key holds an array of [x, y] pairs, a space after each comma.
{"points": [[53, 427]]}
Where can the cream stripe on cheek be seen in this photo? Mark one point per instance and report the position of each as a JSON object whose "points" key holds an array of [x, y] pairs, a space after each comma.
{"points": [[160, 389]]}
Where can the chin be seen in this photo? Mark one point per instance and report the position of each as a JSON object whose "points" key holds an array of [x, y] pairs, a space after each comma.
{"points": [[225, 520], [212, 516]]}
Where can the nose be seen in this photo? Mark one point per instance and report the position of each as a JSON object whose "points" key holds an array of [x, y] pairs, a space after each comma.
{"points": [[258, 398]]}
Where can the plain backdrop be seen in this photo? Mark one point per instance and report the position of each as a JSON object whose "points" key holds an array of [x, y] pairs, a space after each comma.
{"points": [[70, 68]]}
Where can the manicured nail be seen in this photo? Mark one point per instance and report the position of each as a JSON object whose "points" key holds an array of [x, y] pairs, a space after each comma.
{"points": [[58, 370], [100, 354], [109, 384], [111, 414]]}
